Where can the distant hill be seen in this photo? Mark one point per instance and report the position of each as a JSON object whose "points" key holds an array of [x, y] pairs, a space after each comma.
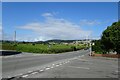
{"points": [[59, 41], [48, 41]]}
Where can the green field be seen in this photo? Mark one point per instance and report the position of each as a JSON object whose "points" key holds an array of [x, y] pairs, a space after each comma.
{"points": [[42, 48]]}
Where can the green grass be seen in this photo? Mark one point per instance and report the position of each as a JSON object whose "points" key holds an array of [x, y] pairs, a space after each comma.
{"points": [[8, 46], [98, 52], [41, 48]]}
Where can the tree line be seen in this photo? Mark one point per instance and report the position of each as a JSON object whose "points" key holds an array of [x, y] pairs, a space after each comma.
{"points": [[110, 40]]}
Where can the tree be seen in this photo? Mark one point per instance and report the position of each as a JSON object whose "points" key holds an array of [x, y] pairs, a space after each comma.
{"points": [[111, 38], [98, 46]]}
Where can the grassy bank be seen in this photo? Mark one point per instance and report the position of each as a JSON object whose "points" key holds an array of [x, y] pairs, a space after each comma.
{"points": [[42, 48]]}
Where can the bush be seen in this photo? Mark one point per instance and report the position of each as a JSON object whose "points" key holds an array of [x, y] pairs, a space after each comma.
{"points": [[98, 47], [33, 44], [73, 48]]}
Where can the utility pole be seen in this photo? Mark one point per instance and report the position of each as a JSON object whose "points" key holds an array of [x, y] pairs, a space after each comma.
{"points": [[15, 37], [86, 42], [2, 35], [90, 47]]}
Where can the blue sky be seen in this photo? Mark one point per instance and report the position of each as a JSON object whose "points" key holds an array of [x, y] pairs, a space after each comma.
{"points": [[52, 20]]}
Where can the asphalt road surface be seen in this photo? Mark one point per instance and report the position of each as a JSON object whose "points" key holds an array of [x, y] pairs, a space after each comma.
{"points": [[80, 67], [26, 63]]}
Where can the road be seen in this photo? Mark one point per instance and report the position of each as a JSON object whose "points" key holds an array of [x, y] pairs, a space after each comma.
{"points": [[81, 67], [25, 63]]}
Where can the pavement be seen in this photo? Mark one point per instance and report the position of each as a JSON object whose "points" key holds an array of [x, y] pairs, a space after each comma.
{"points": [[26, 63]]}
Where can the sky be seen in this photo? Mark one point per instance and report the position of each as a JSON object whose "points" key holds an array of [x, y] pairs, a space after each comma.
{"points": [[60, 0], [40, 21], [0, 21]]}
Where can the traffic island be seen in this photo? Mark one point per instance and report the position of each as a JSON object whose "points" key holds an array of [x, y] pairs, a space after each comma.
{"points": [[105, 55]]}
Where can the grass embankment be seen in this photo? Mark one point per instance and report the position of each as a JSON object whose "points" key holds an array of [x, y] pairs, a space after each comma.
{"points": [[42, 48], [8, 46]]}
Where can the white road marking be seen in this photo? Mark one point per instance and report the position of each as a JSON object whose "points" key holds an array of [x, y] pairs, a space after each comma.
{"points": [[60, 64], [30, 71], [34, 72], [79, 67], [47, 68], [24, 75], [53, 64], [41, 70], [52, 67], [57, 65]]}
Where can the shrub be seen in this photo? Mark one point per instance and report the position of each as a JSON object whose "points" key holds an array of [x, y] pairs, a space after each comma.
{"points": [[73, 48]]}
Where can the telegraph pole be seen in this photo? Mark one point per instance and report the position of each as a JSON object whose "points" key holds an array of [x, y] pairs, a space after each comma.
{"points": [[90, 47], [15, 37], [2, 35], [86, 42]]}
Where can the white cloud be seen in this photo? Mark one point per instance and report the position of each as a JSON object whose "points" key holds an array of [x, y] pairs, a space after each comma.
{"points": [[55, 28], [0, 27], [47, 15], [0, 31], [89, 22]]}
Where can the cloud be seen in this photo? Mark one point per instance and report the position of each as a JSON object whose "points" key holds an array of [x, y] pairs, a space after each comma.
{"points": [[89, 22], [47, 15], [55, 28], [0, 31], [0, 27]]}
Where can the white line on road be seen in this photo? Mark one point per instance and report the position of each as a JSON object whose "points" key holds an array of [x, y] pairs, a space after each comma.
{"points": [[66, 62], [47, 68], [57, 65], [30, 71], [60, 64], [53, 64], [79, 67], [34, 72], [41, 70], [24, 75]]}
